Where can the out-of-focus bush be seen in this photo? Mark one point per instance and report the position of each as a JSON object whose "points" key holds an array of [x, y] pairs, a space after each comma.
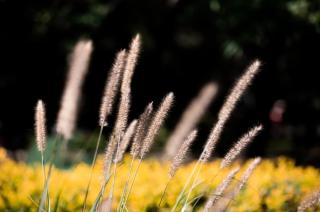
{"points": [[276, 185]]}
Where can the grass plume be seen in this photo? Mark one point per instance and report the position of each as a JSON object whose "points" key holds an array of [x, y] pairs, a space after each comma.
{"points": [[111, 87], [239, 146], [227, 108], [67, 115], [40, 126], [156, 123], [189, 119], [220, 189]]}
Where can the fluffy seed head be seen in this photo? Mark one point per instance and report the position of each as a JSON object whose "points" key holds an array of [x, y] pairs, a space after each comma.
{"points": [[67, 115], [126, 140], [124, 106], [143, 123], [239, 88], [131, 62], [111, 87], [180, 156], [189, 119], [227, 108], [220, 189], [239, 146], [245, 177], [156, 123], [40, 126]]}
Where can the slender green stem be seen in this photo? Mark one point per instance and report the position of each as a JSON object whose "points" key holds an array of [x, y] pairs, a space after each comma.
{"points": [[93, 163], [125, 186], [45, 178], [193, 184], [132, 183], [164, 191], [43, 171], [46, 189], [113, 184], [43, 168], [185, 187], [100, 194]]}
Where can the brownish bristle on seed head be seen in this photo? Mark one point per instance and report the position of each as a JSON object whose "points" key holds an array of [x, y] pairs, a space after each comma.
{"points": [[132, 58], [67, 115], [156, 123], [239, 146], [227, 108], [125, 100], [111, 87], [245, 177], [216, 195], [40, 126], [180, 156], [140, 133], [126, 140]]}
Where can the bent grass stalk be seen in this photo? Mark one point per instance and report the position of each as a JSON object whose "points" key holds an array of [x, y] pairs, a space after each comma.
{"points": [[193, 185], [125, 188], [179, 158], [164, 191], [132, 183], [185, 186]]}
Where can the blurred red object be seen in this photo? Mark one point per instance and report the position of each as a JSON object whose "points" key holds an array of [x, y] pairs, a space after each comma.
{"points": [[277, 111]]}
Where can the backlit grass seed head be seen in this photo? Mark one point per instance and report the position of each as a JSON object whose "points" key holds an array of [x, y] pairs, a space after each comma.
{"points": [[140, 133], [125, 99], [239, 146], [189, 119], [180, 156], [40, 126], [67, 115], [220, 189], [156, 123], [309, 202], [111, 87], [122, 116], [132, 58], [239, 88], [227, 108], [245, 177], [126, 140]]}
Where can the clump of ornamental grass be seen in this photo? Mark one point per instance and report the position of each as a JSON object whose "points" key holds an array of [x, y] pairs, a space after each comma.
{"points": [[141, 133], [67, 115], [116, 137], [179, 159], [225, 199], [108, 98], [223, 116], [148, 140]]}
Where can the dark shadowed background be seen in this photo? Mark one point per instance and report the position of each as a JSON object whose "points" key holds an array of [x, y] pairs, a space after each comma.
{"points": [[186, 43]]}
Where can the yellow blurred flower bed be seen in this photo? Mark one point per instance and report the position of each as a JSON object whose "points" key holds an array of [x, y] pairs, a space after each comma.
{"points": [[276, 185]]}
